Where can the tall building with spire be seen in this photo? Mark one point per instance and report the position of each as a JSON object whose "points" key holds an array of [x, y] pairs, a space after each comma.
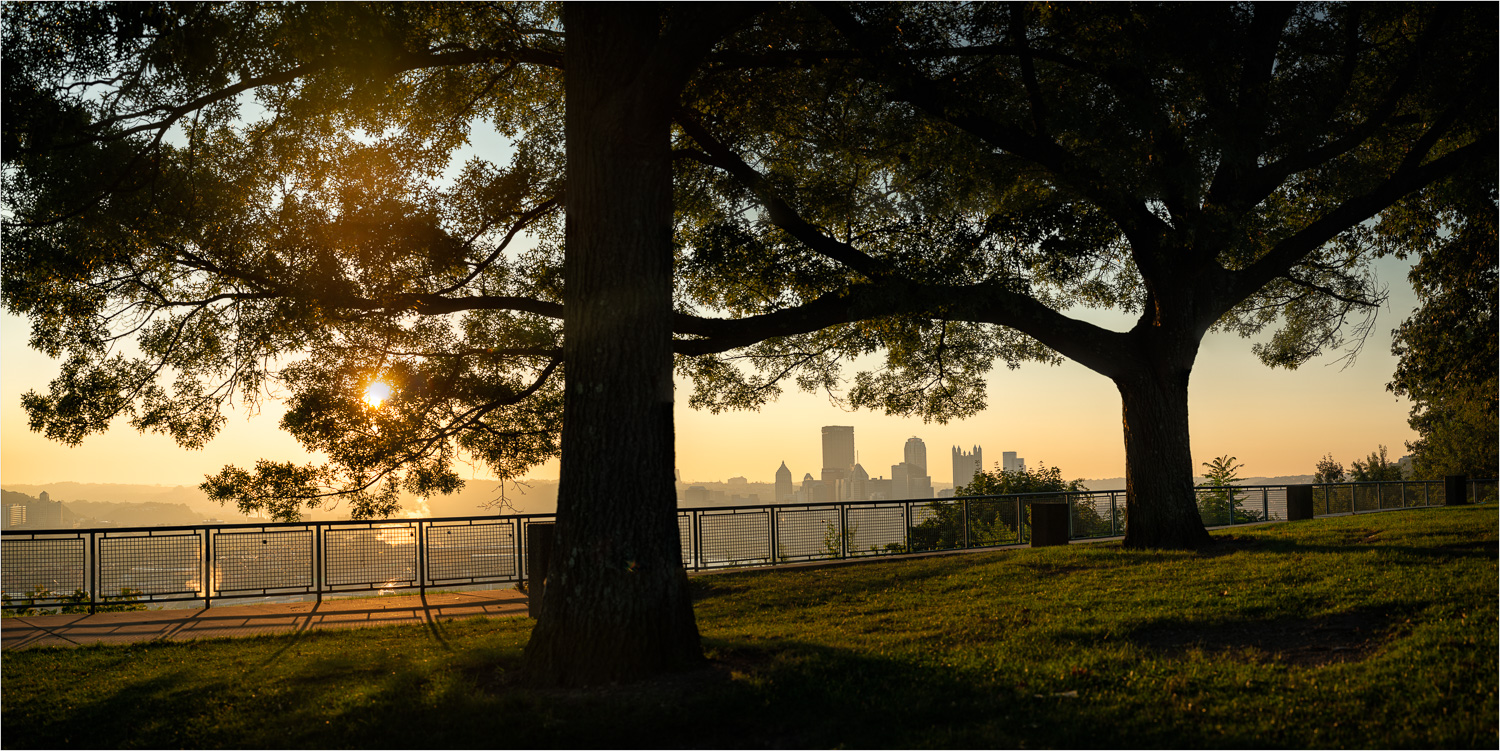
{"points": [[965, 466], [785, 491], [859, 484]]}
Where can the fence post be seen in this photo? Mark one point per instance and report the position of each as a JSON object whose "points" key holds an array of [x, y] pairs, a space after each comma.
{"points": [[906, 532], [95, 570], [208, 568], [966, 523], [1114, 515], [318, 560], [1454, 490], [844, 533], [421, 559], [1299, 502], [538, 554], [1265, 504]]}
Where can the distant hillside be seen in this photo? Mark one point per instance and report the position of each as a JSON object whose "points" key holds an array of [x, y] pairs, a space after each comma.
{"points": [[1118, 483], [478, 498]]}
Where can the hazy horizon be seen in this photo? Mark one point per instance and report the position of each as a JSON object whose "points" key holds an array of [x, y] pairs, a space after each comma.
{"points": [[1277, 422]]}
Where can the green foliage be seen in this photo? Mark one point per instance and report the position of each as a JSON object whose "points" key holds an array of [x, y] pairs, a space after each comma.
{"points": [[31, 602], [995, 522], [1221, 504], [1449, 347], [249, 199], [1375, 468], [1328, 470]]}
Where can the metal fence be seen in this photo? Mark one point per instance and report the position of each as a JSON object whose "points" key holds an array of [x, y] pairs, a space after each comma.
{"points": [[99, 567]]}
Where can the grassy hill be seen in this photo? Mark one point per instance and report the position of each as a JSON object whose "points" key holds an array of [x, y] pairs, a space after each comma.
{"points": [[1376, 630]]}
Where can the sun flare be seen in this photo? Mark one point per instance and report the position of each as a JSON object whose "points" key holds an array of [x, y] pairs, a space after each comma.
{"points": [[376, 393]]}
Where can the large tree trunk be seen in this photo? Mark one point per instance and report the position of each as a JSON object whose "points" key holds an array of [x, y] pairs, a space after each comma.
{"points": [[616, 605], [1161, 508]]}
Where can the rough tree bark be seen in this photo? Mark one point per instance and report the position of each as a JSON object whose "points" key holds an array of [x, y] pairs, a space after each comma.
{"points": [[1162, 510], [616, 606]]}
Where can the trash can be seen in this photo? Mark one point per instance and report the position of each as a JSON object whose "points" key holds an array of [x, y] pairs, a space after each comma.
{"points": [[1049, 524]]}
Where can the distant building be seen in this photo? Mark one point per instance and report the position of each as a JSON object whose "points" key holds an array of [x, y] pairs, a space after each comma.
{"points": [[1012, 463], [916, 453], [859, 484], [785, 491], [838, 459], [696, 494], [908, 481], [737, 482], [15, 515], [965, 466], [814, 491]]}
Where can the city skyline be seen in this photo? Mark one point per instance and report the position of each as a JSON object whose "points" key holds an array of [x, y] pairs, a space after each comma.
{"points": [[1277, 422]]}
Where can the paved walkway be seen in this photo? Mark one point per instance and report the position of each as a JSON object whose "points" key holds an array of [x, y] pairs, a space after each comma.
{"points": [[21, 632]]}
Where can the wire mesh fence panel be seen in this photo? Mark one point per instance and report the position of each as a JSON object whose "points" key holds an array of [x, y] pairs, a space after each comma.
{"points": [[43, 569], [937, 525], [727, 539], [1483, 491], [151, 565], [875, 530], [1220, 506], [1411, 495], [1275, 503], [992, 521], [466, 552], [375, 556], [263, 560], [1337, 499], [685, 536], [1365, 497], [1091, 515], [803, 534]]}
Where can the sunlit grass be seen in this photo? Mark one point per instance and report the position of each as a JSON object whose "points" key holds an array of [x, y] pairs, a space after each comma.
{"points": [[1376, 630]]}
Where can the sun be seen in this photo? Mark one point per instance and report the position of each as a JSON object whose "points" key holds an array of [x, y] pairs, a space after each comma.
{"points": [[376, 393]]}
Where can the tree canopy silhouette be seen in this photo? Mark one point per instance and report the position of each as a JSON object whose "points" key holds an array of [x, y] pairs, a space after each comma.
{"points": [[209, 201]]}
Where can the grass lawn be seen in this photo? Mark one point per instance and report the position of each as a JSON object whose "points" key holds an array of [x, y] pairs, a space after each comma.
{"points": [[1370, 631]]}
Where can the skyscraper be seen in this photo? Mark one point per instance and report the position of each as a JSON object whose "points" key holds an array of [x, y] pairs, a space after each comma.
{"points": [[1012, 463], [859, 484], [838, 458], [785, 491], [916, 453], [965, 466]]}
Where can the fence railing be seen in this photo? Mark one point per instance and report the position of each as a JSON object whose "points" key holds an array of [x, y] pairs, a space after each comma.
{"points": [[92, 568]]}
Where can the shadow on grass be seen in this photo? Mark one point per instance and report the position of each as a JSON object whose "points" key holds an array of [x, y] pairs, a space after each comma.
{"points": [[792, 695]]}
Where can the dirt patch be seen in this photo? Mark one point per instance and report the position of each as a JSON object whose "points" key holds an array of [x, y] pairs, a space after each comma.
{"points": [[1309, 642]]}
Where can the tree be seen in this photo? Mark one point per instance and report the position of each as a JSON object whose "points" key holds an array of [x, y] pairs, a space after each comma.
{"points": [[1448, 348], [1221, 504], [1375, 468], [1328, 471], [1213, 167], [993, 522], [254, 196], [313, 223]]}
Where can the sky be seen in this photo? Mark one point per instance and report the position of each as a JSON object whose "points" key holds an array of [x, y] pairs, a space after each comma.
{"points": [[1277, 422]]}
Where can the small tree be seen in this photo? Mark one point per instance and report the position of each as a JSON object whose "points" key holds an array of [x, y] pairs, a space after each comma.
{"points": [[1328, 471], [993, 522], [1375, 468], [1221, 504]]}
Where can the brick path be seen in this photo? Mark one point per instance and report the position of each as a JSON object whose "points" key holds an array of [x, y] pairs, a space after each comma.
{"points": [[21, 632]]}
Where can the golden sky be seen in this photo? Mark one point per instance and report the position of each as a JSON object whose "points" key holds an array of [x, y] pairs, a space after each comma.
{"points": [[1276, 422]]}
